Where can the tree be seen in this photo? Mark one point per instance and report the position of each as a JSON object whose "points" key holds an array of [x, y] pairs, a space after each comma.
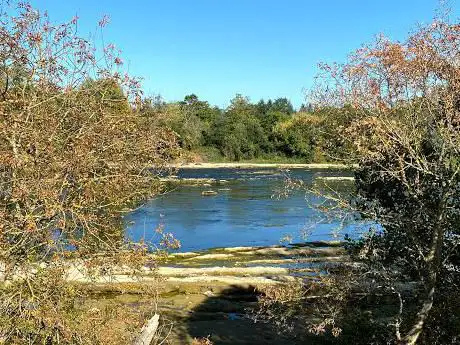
{"points": [[74, 156], [184, 123], [299, 136], [306, 108], [331, 142], [206, 114], [404, 135], [282, 105], [238, 132]]}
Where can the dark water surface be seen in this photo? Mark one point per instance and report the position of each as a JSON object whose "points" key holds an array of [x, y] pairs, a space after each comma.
{"points": [[246, 211]]}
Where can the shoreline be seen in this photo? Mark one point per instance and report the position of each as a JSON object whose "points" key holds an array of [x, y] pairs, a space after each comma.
{"points": [[237, 165]]}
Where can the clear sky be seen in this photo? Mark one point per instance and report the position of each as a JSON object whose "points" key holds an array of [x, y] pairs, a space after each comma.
{"points": [[259, 48]]}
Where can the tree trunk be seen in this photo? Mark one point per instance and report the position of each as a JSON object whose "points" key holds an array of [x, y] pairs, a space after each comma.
{"points": [[411, 337], [433, 261], [148, 331]]}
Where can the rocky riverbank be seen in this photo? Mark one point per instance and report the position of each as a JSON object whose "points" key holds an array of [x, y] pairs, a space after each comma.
{"points": [[208, 292]]}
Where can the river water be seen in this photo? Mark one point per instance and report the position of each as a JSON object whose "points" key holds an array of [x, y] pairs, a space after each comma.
{"points": [[247, 211]]}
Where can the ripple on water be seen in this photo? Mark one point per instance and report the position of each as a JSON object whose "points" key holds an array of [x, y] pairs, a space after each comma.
{"points": [[245, 214]]}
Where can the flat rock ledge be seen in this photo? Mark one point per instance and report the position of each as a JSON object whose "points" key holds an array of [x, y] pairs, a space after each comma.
{"points": [[218, 268], [224, 267]]}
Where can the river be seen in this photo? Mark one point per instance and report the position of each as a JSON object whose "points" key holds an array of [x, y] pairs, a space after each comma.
{"points": [[247, 211]]}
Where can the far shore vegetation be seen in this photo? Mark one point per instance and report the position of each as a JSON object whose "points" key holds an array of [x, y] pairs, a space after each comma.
{"points": [[266, 131]]}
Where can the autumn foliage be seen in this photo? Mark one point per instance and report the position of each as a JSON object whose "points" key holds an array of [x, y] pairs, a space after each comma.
{"points": [[75, 155], [402, 102]]}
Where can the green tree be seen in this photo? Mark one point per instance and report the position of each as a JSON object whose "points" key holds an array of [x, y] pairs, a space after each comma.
{"points": [[299, 136], [185, 124], [206, 114], [282, 105], [239, 134]]}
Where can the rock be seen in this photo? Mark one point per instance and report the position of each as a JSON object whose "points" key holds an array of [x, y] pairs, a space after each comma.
{"points": [[212, 256], [208, 193], [335, 178]]}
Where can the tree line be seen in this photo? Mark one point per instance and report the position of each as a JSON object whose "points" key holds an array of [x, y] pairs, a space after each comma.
{"points": [[266, 130]]}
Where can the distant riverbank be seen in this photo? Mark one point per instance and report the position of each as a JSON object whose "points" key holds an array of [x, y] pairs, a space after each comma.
{"points": [[238, 165]]}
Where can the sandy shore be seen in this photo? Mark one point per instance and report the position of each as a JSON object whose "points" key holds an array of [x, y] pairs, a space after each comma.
{"points": [[236, 165]]}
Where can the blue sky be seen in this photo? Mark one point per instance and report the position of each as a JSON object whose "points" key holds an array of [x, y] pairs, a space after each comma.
{"points": [[259, 48]]}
